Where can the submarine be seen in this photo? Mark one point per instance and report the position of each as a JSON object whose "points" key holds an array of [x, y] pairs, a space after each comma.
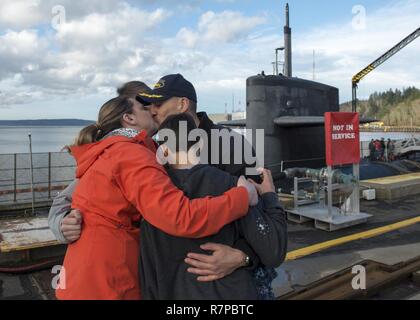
{"points": [[291, 112]]}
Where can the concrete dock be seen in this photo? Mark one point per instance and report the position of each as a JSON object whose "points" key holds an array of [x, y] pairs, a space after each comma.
{"points": [[395, 187], [389, 248]]}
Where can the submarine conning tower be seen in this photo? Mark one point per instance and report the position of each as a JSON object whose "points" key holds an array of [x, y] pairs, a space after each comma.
{"points": [[291, 111]]}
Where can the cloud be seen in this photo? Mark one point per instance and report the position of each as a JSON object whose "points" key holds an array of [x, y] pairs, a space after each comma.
{"points": [[215, 28], [98, 51], [21, 14], [83, 56], [188, 37], [123, 27], [21, 52], [14, 13]]}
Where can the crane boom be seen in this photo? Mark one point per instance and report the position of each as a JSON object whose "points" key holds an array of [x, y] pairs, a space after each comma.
{"points": [[359, 76]]}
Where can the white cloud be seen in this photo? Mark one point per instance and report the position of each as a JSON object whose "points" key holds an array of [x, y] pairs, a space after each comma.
{"points": [[20, 13], [78, 62], [20, 52], [188, 37], [83, 56], [216, 28], [115, 30]]}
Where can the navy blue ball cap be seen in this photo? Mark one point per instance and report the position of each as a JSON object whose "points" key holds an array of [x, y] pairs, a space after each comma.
{"points": [[173, 85]]}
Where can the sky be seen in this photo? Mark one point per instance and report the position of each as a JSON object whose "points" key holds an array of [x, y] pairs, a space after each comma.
{"points": [[64, 59]]}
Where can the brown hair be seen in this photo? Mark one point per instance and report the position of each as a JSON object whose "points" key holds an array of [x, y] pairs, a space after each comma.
{"points": [[109, 119], [132, 88]]}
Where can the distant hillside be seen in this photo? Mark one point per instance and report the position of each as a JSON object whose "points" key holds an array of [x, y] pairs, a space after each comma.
{"points": [[46, 122], [393, 107]]}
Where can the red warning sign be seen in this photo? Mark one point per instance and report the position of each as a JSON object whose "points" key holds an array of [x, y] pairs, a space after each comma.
{"points": [[342, 138]]}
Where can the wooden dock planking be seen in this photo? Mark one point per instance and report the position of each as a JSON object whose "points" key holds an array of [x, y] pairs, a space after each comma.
{"points": [[25, 233]]}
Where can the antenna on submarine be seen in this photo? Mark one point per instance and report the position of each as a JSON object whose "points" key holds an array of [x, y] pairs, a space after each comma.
{"points": [[233, 103], [287, 45]]}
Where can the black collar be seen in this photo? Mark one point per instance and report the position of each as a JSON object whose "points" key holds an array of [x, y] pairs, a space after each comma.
{"points": [[205, 122]]}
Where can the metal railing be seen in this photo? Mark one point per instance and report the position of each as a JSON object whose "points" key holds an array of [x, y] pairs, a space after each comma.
{"points": [[52, 171], [364, 153]]}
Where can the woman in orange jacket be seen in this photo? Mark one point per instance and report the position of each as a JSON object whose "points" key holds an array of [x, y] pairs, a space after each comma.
{"points": [[121, 183]]}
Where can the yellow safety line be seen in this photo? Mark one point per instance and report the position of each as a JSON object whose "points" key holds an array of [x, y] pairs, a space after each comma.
{"points": [[303, 252]]}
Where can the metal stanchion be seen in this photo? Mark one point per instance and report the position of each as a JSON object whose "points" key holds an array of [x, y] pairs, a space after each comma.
{"points": [[49, 175], [15, 177], [32, 173]]}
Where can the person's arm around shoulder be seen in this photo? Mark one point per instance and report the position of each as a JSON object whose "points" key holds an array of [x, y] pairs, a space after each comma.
{"points": [[221, 260], [148, 187], [64, 223]]}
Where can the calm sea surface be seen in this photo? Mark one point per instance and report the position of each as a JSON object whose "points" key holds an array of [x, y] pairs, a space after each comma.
{"points": [[44, 139], [53, 139]]}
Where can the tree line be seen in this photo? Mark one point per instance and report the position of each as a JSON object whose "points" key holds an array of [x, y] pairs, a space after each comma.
{"points": [[393, 107]]}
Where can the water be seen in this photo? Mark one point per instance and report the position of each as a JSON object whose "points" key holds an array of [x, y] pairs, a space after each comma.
{"points": [[51, 172], [367, 136], [44, 139], [53, 139]]}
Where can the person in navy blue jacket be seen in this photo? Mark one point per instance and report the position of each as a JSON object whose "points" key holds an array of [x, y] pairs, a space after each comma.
{"points": [[163, 269]]}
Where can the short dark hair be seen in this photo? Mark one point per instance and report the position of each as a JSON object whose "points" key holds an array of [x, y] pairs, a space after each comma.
{"points": [[132, 88], [173, 122], [193, 107]]}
